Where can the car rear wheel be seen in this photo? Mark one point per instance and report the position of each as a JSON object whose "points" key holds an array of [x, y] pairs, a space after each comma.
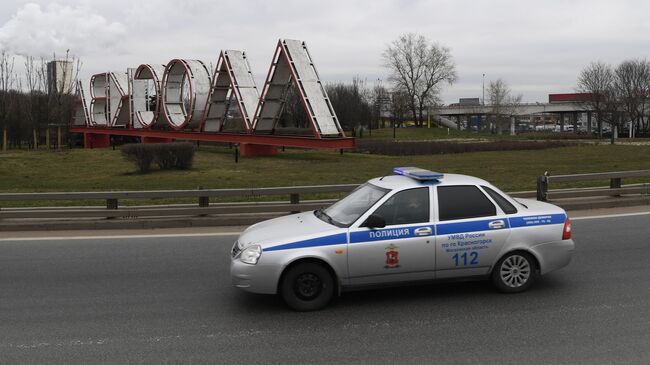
{"points": [[307, 286], [515, 272]]}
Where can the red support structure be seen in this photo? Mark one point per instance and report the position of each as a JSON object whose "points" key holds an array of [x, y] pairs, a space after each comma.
{"points": [[250, 149], [258, 144], [96, 140], [146, 139]]}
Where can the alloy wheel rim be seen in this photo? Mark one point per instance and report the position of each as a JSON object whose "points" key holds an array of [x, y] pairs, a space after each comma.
{"points": [[515, 271], [308, 286]]}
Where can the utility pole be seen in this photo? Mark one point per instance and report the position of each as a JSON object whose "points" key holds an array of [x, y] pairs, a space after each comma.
{"points": [[483, 89]]}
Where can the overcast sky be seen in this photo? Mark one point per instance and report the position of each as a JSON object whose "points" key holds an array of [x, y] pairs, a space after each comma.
{"points": [[538, 47]]}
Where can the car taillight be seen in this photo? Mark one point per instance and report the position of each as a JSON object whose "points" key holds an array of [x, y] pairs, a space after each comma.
{"points": [[566, 233]]}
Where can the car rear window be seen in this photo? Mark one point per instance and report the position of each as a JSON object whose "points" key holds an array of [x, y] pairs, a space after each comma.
{"points": [[463, 201], [503, 203]]}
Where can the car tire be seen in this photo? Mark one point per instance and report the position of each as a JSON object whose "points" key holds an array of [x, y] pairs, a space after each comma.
{"points": [[514, 272], [307, 286]]}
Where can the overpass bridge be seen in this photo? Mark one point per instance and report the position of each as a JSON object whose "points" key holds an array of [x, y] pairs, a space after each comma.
{"points": [[459, 113], [521, 109]]}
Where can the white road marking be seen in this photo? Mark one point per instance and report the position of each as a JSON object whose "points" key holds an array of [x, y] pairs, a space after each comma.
{"points": [[609, 216], [171, 235]]}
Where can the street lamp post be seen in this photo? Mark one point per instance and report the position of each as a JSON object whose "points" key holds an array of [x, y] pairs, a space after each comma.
{"points": [[483, 89]]}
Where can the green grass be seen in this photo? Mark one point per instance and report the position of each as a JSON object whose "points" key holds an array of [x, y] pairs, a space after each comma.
{"points": [[214, 168]]}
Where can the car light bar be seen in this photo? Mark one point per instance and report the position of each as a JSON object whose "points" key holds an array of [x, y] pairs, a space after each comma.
{"points": [[418, 173]]}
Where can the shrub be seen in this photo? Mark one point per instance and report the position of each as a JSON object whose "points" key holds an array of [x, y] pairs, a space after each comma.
{"points": [[166, 155], [140, 154], [179, 155]]}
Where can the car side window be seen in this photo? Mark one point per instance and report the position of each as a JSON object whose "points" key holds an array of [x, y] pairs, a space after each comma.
{"points": [[505, 205], [406, 207], [463, 201]]}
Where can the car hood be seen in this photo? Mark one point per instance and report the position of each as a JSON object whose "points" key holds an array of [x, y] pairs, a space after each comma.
{"points": [[287, 229]]}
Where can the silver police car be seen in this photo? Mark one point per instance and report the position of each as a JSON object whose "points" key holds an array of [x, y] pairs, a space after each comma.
{"points": [[416, 225]]}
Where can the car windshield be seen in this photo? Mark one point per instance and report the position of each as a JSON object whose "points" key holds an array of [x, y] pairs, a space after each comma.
{"points": [[347, 210]]}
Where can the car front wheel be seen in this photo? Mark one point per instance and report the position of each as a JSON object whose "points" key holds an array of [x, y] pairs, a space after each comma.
{"points": [[515, 272], [307, 286]]}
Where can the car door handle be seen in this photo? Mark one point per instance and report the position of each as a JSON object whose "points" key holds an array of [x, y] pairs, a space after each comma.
{"points": [[497, 224], [424, 231]]}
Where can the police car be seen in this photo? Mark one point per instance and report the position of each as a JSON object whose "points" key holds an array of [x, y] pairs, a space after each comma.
{"points": [[415, 225]]}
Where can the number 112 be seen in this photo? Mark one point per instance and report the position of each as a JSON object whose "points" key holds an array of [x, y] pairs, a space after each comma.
{"points": [[462, 259]]}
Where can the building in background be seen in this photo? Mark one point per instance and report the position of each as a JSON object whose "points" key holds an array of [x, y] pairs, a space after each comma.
{"points": [[59, 77]]}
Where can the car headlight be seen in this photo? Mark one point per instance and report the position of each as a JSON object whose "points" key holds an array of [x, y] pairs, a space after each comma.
{"points": [[251, 254]]}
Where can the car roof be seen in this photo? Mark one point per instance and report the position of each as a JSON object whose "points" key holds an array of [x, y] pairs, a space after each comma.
{"points": [[399, 182]]}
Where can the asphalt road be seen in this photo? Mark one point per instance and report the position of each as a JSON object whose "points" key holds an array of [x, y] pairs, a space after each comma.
{"points": [[169, 300]]}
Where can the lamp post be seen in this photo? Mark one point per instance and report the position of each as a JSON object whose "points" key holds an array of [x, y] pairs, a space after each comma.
{"points": [[483, 89]]}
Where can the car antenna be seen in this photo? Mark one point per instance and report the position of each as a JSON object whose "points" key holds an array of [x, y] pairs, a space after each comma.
{"points": [[382, 178]]}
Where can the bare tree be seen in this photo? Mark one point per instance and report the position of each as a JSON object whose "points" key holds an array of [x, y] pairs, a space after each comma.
{"points": [[33, 83], [380, 99], [597, 81], [351, 102], [399, 102], [7, 83], [631, 86], [419, 68], [503, 105]]}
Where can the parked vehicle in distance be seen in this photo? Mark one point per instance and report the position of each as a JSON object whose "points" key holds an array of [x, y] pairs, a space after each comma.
{"points": [[416, 225]]}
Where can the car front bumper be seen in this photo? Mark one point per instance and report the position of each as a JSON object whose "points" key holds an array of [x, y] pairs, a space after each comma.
{"points": [[262, 279]]}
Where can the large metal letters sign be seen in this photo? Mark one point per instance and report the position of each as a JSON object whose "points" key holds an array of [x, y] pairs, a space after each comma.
{"points": [[99, 100], [292, 64], [145, 96], [80, 116], [118, 99], [232, 85], [185, 91], [183, 95]]}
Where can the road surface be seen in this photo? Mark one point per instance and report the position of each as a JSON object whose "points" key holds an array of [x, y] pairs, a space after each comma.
{"points": [[169, 300]]}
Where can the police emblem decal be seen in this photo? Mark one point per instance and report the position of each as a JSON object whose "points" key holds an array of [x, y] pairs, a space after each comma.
{"points": [[392, 259]]}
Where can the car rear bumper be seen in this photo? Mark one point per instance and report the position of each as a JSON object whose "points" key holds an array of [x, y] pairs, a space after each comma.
{"points": [[554, 255]]}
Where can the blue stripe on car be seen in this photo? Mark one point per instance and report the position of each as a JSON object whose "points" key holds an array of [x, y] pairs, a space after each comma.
{"points": [[336, 239], [409, 232], [386, 233]]}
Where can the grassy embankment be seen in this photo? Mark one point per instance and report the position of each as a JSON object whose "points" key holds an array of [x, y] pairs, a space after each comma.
{"points": [[214, 168]]}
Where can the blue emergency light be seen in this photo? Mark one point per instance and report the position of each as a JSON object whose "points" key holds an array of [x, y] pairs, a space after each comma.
{"points": [[418, 173]]}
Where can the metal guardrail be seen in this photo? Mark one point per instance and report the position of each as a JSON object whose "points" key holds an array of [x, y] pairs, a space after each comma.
{"points": [[202, 195], [615, 185], [204, 207]]}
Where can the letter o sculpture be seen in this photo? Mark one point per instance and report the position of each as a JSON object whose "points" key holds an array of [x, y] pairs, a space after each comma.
{"points": [[146, 92], [185, 91]]}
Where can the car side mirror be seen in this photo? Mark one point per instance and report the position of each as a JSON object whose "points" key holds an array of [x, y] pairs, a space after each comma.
{"points": [[375, 221]]}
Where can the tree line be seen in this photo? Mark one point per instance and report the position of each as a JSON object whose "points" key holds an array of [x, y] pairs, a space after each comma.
{"points": [[358, 106], [618, 95], [28, 105]]}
